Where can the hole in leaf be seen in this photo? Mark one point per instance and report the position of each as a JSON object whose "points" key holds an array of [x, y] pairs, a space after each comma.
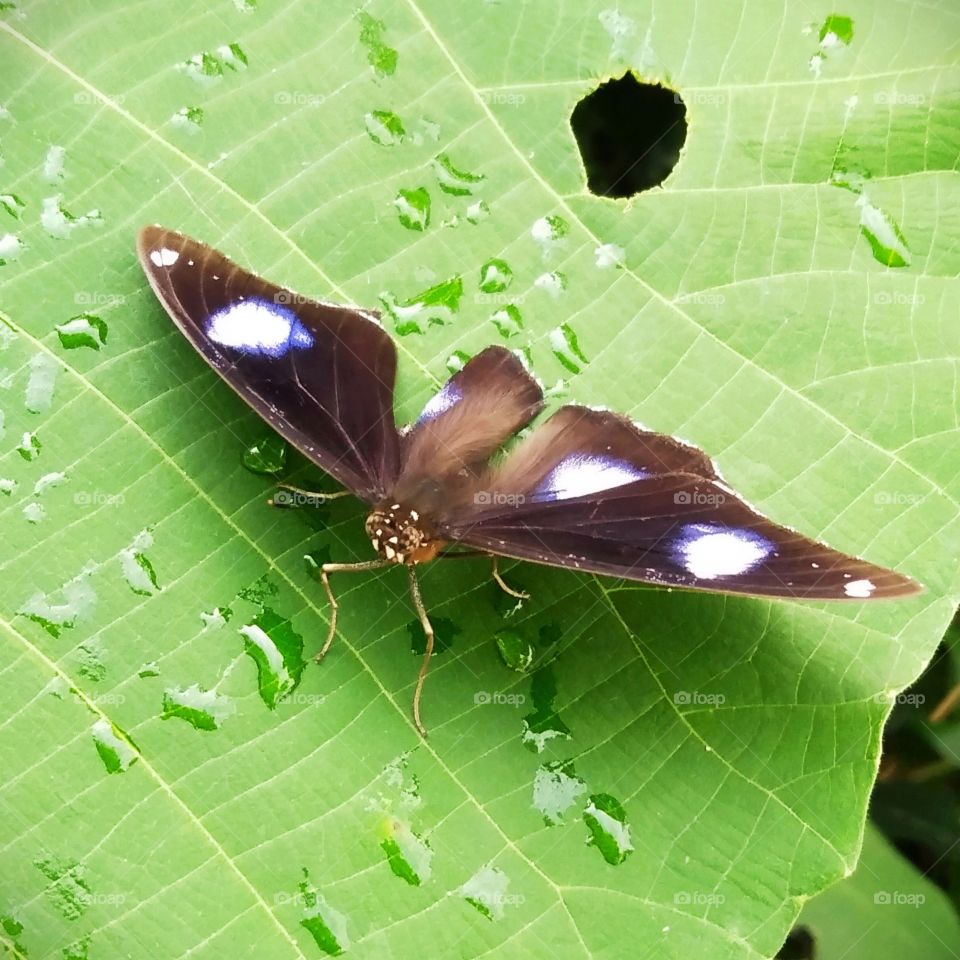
{"points": [[629, 134], [800, 945]]}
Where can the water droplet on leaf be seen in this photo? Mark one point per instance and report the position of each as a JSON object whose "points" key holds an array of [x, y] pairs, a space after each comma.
{"points": [[83, 330], [413, 208], [566, 348], [267, 456]]}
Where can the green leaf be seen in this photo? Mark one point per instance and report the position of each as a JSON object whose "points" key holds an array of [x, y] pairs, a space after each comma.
{"points": [[885, 909], [785, 300]]}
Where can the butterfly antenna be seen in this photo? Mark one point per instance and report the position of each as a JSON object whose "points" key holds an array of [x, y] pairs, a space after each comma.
{"points": [[428, 633], [325, 572], [503, 585]]}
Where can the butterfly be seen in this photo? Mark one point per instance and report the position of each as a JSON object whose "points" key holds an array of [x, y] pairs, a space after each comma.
{"points": [[585, 489]]}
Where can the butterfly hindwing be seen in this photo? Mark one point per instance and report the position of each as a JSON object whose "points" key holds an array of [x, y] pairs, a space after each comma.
{"points": [[462, 425], [579, 450], [321, 375], [591, 491]]}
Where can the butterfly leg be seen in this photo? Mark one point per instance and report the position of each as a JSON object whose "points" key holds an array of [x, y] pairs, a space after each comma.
{"points": [[325, 572], [503, 585], [288, 495], [428, 633]]}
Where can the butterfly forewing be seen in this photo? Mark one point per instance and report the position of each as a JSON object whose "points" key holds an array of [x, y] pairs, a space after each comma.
{"points": [[320, 374]]}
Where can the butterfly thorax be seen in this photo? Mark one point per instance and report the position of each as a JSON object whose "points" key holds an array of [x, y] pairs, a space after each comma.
{"points": [[401, 534]]}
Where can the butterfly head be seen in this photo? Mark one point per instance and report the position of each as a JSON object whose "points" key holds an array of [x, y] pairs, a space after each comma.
{"points": [[401, 534]]}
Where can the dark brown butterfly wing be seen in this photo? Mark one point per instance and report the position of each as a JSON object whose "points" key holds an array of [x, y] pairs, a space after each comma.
{"points": [[321, 375], [590, 491], [476, 411]]}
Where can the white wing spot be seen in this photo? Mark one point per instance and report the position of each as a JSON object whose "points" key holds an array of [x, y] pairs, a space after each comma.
{"points": [[579, 474], [258, 327], [164, 257], [859, 588], [709, 551]]}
